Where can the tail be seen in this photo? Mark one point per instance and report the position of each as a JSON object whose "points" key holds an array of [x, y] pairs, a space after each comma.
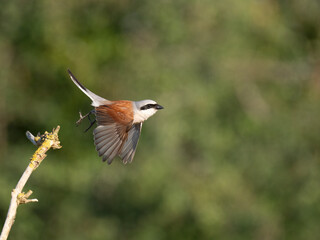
{"points": [[96, 100]]}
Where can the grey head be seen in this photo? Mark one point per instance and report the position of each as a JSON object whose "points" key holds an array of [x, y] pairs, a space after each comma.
{"points": [[144, 109]]}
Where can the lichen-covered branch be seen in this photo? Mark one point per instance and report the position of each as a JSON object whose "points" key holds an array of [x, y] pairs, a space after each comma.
{"points": [[44, 143]]}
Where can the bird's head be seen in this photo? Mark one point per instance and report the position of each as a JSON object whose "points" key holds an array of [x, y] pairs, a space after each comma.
{"points": [[145, 109]]}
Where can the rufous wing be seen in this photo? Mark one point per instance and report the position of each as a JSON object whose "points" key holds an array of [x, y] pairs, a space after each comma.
{"points": [[115, 134]]}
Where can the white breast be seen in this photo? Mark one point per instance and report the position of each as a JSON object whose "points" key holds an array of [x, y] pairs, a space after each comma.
{"points": [[142, 115]]}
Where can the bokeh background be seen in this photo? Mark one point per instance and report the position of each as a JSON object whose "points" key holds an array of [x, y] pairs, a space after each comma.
{"points": [[235, 154]]}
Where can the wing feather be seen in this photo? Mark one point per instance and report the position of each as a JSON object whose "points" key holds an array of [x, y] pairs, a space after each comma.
{"points": [[104, 130], [129, 148], [102, 148], [106, 142], [109, 140], [109, 153]]}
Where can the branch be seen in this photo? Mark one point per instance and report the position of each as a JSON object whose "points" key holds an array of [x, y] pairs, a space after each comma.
{"points": [[44, 143]]}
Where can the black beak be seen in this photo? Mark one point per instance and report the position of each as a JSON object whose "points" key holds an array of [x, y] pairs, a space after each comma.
{"points": [[158, 107]]}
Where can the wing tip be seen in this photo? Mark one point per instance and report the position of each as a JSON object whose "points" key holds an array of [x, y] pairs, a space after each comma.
{"points": [[106, 159]]}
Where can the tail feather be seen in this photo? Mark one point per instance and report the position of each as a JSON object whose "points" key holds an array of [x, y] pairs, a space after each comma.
{"points": [[96, 100]]}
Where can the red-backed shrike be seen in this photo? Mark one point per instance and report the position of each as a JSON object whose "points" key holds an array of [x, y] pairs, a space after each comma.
{"points": [[119, 124]]}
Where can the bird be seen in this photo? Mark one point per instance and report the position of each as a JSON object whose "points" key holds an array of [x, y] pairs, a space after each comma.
{"points": [[119, 124]]}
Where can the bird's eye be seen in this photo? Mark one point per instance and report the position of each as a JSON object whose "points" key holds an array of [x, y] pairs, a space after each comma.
{"points": [[148, 106]]}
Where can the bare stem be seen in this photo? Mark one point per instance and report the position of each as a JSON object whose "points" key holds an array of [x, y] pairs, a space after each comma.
{"points": [[45, 142], [92, 121]]}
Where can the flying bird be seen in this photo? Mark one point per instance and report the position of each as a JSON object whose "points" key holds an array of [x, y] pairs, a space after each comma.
{"points": [[119, 124]]}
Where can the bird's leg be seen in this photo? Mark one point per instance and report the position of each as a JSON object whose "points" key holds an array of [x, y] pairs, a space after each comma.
{"points": [[83, 117], [91, 121]]}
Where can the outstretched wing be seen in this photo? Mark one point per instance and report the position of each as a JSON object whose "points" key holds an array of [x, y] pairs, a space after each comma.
{"points": [[109, 140], [114, 139], [115, 134]]}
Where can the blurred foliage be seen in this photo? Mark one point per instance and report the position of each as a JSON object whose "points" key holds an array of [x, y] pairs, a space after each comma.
{"points": [[235, 154]]}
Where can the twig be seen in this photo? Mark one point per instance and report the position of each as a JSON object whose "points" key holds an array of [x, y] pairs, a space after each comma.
{"points": [[92, 121], [45, 142]]}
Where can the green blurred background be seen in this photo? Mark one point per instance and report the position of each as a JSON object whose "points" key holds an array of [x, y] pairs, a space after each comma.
{"points": [[235, 154]]}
